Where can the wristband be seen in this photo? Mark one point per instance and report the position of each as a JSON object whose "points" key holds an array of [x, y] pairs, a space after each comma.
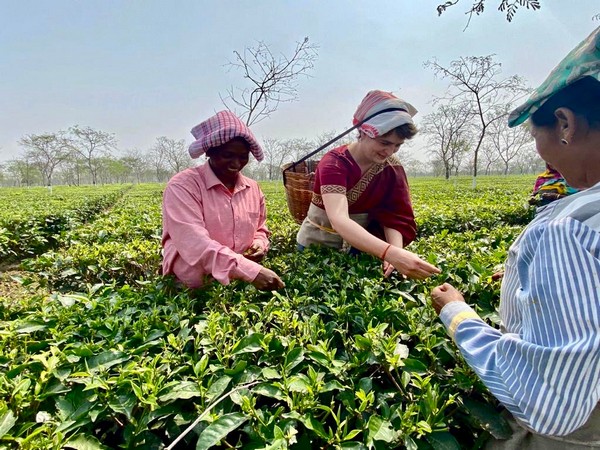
{"points": [[385, 251]]}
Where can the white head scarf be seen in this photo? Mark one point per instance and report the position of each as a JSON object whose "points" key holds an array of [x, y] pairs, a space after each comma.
{"points": [[381, 124]]}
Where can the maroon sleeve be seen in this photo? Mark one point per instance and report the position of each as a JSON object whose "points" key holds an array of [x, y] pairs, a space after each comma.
{"points": [[332, 174], [396, 211]]}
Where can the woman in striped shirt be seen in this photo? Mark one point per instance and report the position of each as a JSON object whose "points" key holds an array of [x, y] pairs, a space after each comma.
{"points": [[544, 363]]}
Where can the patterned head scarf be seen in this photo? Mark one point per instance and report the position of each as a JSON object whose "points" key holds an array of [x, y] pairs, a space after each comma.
{"points": [[220, 129], [582, 61], [376, 101]]}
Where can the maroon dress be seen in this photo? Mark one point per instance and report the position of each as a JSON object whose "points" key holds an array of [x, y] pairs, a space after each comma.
{"points": [[382, 193]]}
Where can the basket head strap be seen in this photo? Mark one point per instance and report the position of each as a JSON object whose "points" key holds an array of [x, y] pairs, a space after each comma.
{"points": [[339, 136]]}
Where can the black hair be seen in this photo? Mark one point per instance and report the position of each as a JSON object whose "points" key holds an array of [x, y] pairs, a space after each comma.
{"points": [[582, 97], [211, 151], [406, 131]]}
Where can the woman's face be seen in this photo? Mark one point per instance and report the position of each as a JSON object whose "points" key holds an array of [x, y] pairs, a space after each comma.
{"points": [[559, 156], [228, 160], [377, 150], [545, 142]]}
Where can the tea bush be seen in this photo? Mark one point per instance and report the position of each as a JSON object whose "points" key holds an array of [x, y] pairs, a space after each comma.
{"points": [[116, 356]]}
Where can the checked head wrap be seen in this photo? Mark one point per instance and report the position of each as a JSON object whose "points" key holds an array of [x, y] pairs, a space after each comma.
{"points": [[220, 129]]}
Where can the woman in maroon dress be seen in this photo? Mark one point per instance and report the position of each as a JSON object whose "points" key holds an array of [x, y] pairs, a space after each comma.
{"points": [[361, 197]]}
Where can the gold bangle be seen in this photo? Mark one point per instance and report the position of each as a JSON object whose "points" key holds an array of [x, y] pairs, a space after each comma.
{"points": [[385, 251]]}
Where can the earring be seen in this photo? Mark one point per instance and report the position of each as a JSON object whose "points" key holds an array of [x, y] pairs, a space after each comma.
{"points": [[563, 141]]}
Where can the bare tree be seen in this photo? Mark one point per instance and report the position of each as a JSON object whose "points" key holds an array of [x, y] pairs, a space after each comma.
{"points": [[23, 171], [93, 146], [46, 152], [298, 147], [529, 161], [158, 161], [174, 153], [327, 136], [447, 129], [276, 154], [136, 163], [507, 142], [73, 169], [415, 168], [475, 82], [272, 79], [113, 170], [489, 156], [462, 151]]}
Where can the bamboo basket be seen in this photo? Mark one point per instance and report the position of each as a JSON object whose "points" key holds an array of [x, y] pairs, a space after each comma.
{"points": [[298, 176], [298, 182]]}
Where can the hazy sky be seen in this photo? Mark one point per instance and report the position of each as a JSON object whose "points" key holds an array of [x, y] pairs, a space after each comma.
{"points": [[144, 69]]}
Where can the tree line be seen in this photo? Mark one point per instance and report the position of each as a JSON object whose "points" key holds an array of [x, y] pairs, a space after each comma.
{"points": [[466, 133], [84, 155]]}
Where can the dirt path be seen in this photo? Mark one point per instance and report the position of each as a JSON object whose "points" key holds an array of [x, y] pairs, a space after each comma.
{"points": [[11, 290]]}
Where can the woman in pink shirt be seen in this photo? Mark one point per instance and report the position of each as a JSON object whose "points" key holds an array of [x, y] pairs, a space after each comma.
{"points": [[214, 218]]}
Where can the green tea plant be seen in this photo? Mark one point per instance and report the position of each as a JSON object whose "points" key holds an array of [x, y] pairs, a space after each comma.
{"points": [[32, 220], [115, 356], [122, 245]]}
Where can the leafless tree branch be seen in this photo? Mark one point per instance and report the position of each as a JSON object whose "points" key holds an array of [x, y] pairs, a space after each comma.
{"points": [[272, 79]]}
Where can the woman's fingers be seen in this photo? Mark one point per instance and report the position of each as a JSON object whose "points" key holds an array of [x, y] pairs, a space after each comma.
{"points": [[388, 269]]}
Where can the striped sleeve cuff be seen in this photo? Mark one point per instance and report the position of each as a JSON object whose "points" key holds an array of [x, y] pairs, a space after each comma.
{"points": [[454, 313]]}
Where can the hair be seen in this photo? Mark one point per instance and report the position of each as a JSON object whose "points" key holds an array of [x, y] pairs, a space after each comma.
{"points": [[581, 97], [213, 150], [406, 131]]}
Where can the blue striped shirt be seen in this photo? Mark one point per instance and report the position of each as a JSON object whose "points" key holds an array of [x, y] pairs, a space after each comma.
{"points": [[544, 364]]}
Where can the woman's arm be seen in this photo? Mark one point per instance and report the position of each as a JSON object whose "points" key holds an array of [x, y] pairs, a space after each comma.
{"points": [[548, 374], [407, 263], [394, 237], [183, 218], [260, 242]]}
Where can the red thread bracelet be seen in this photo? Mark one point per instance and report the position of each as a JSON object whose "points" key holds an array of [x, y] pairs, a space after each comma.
{"points": [[385, 251]]}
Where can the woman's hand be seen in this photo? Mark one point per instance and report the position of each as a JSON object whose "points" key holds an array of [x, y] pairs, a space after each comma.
{"points": [[387, 269], [267, 280], [256, 252], [498, 275], [409, 264], [444, 294]]}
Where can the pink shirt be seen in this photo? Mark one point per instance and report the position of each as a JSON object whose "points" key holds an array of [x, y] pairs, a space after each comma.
{"points": [[206, 228]]}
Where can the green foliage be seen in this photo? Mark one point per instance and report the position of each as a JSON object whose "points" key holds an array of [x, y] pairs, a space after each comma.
{"points": [[119, 357], [34, 219]]}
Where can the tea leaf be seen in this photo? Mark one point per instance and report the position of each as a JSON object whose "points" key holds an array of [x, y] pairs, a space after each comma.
{"points": [[180, 391], [309, 421], [268, 390], [82, 442], [107, 359], [293, 358], [299, 383], [442, 440], [217, 388], [249, 344], [7, 421], [490, 419], [24, 327], [380, 430], [219, 429]]}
